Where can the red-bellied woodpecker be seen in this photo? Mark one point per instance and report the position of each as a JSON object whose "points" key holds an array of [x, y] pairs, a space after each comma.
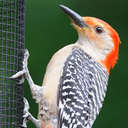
{"points": [[76, 78]]}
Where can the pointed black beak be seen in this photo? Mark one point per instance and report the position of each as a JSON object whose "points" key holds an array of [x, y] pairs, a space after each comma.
{"points": [[77, 19]]}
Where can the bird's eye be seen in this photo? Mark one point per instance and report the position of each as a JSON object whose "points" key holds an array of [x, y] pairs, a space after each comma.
{"points": [[99, 29]]}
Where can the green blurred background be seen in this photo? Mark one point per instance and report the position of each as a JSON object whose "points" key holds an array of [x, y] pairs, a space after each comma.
{"points": [[49, 29]]}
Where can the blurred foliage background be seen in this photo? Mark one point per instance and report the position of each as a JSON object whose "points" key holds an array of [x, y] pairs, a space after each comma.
{"points": [[49, 29]]}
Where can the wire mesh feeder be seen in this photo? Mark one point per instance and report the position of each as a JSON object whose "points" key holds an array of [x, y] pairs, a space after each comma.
{"points": [[11, 54]]}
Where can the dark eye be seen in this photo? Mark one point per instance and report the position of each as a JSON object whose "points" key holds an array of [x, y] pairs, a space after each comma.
{"points": [[99, 29]]}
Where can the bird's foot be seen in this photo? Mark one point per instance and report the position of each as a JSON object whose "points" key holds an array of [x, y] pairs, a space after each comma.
{"points": [[26, 114], [20, 76]]}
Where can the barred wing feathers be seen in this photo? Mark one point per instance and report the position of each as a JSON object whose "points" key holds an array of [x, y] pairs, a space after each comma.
{"points": [[82, 90]]}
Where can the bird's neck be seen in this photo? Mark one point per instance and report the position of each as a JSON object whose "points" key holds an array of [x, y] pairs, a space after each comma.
{"points": [[89, 47]]}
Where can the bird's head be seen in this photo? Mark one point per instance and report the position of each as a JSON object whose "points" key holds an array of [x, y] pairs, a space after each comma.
{"points": [[96, 37]]}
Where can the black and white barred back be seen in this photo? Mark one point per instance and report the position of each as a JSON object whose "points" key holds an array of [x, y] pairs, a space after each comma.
{"points": [[82, 90]]}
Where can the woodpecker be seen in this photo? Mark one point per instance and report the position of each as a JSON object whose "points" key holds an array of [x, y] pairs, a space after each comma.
{"points": [[76, 78]]}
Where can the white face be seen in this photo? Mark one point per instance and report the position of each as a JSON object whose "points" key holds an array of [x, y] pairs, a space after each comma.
{"points": [[96, 41], [105, 41]]}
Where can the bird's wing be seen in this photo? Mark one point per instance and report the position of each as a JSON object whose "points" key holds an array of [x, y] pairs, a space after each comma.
{"points": [[81, 91]]}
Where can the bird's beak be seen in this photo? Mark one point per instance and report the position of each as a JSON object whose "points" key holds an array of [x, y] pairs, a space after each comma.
{"points": [[77, 19]]}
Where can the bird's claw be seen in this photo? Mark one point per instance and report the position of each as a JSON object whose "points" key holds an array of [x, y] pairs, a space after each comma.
{"points": [[26, 114], [21, 74]]}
